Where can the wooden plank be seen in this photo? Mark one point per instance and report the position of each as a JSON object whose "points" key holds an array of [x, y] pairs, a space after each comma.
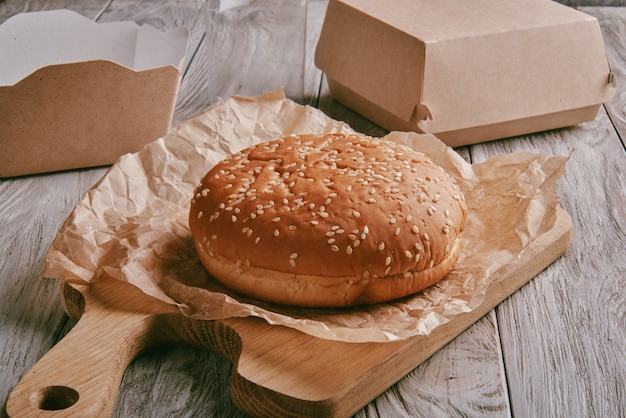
{"points": [[247, 50], [31, 317], [90, 9], [30, 331], [563, 334], [463, 379]]}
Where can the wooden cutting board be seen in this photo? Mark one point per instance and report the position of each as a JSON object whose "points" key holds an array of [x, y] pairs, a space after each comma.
{"points": [[278, 371]]}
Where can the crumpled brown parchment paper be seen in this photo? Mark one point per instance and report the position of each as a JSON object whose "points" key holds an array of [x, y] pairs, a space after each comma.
{"points": [[132, 225]]}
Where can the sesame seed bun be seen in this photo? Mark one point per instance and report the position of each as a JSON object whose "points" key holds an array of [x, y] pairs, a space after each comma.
{"points": [[327, 220]]}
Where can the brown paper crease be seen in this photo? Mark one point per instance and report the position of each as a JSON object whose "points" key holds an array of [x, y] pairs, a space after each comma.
{"points": [[132, 225]]}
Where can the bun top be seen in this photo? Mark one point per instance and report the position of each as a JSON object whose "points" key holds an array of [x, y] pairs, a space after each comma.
{"points": [[329, 205]]}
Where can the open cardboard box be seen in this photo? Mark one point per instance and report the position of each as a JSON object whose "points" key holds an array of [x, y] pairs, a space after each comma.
{"points": [[466, 71], [75, 93]]}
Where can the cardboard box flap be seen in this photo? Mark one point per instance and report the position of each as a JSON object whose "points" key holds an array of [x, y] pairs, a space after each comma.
{"points": [[55, 42], [453, 65], [354, 49]]}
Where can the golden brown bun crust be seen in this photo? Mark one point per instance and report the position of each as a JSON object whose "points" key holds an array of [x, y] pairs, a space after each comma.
{"points": [[327, 221]]}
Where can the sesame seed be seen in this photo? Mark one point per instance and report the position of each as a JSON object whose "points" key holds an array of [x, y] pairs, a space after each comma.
{"points": [[397, 232], [392, 220], [276, 219], [314, 222], [426, 237], [408, 254], [431, 210], [332, 240], [356, 213], [292, 227], [293, 255], [349, 250], [387, 270], [199, 214], [381, 247], [415, 229], [388, 260], [417, 257], [292, 262], [234, 218], [276, 232], [334, 248], [257, 239]]}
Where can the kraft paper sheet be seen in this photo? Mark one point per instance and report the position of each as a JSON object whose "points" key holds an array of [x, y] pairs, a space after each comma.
{"points": [[133, 226]]}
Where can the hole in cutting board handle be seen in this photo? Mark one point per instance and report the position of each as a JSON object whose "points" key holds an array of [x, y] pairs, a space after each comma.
{"points": [[54, 398]]}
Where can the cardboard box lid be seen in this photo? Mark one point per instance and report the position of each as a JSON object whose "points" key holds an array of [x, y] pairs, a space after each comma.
{"points": [[453, 64]]}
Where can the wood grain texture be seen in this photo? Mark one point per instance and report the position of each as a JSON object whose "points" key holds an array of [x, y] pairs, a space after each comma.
{"points": [[246, 51], [31, 318], [90, 9], [566, 356], [556, 346]]}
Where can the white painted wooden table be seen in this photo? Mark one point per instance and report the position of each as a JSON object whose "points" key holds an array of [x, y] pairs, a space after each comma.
{"points": [[556, 348]]}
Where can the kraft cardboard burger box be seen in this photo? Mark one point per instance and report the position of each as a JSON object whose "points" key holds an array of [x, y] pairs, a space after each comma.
{"points": [[75, 93], [466, 71]]}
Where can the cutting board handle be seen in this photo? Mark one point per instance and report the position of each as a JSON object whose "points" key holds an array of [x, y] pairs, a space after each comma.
{"points": [[81, 375]]}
